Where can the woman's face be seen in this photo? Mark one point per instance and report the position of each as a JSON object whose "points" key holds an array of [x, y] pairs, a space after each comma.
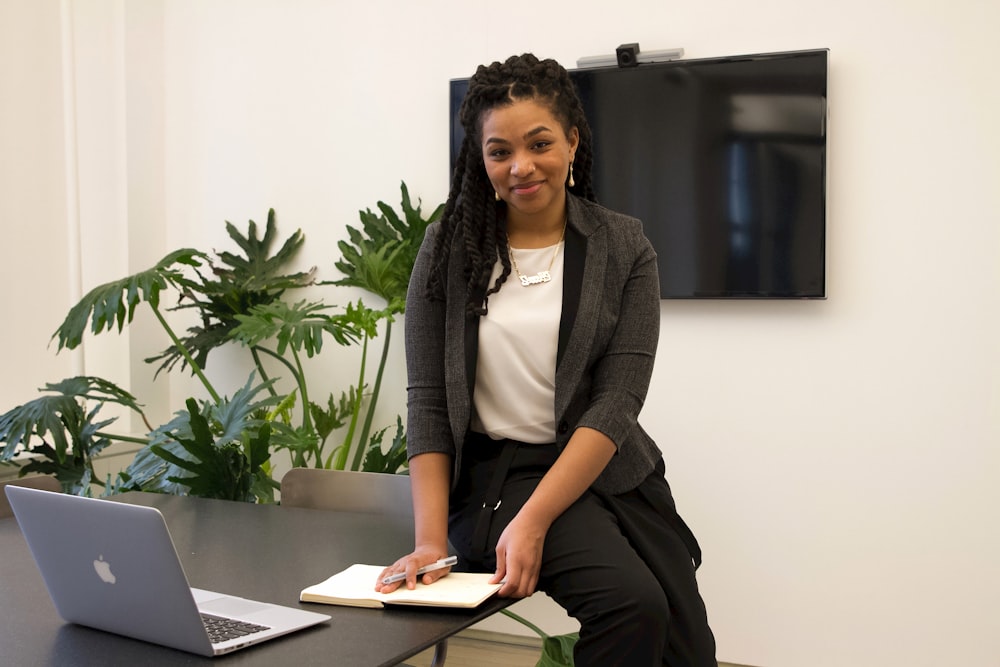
{"points": [[527, 156]]}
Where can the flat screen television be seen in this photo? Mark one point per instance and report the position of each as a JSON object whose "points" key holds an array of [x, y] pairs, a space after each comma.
{"points": [[723, 160]]}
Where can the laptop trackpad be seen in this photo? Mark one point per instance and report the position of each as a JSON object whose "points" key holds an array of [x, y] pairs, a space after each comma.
{"points": [[231, 606]]}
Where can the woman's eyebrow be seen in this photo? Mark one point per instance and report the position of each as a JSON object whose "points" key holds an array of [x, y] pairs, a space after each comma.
{"points": [[527, 135], [537, 130]]}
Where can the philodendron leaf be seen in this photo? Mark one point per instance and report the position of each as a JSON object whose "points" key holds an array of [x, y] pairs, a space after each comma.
{"points": [[233, 417], [300, 326], [379, 258], [220, 469], [93, 388], [557, 650], [232, 286], [375, 269], [148, 471], [69, 470], [71, 467], [259, 447], [389, 461], [298, 440], [113, 304], [156, 468], [333, 416], [59, 418], [41, 417], [199, 341], [364, 319], [258, 270]]}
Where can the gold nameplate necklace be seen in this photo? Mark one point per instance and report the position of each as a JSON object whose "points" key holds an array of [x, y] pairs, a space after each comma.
{"points": [[542, 276]]}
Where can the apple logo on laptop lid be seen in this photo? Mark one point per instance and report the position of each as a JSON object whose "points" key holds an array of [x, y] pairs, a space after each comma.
{"points": [[103, 569]]}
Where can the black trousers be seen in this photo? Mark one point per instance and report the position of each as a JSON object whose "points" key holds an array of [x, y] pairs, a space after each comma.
{"points": [[623, 565]]}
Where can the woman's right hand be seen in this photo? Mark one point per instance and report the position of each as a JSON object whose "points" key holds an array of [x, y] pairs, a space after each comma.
{"points": [[409, 564], [430, 477]]}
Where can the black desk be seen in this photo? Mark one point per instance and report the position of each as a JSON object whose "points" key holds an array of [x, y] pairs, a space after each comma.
{"points": [[263, 552]]}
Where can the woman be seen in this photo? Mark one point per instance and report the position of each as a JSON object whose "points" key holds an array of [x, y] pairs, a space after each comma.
{"points": [[531, 327]]}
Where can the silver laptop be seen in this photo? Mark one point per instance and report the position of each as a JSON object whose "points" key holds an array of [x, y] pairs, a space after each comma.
{"points": [[112, 566]]}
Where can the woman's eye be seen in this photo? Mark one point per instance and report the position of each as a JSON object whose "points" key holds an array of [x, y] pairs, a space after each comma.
{"points": [[498, 153], [541, 145]]}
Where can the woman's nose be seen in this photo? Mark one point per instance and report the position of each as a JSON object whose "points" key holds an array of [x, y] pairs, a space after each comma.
{"points": [[522, 166]]}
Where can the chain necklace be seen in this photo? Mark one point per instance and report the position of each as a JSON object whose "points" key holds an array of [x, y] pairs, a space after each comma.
{"points": [[542, 276]]}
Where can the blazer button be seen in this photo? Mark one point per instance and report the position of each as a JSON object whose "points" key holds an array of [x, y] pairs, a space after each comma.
{"points": [[562, 428]]}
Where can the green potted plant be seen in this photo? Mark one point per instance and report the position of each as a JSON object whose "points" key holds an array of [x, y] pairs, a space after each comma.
{"points": [[557, 650], [222, 446]]}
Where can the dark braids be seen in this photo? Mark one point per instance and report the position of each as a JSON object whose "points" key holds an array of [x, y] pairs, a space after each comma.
{"points": [[472, 216]]}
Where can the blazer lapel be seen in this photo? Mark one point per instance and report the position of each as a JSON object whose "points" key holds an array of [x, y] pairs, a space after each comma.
{"points": [[461, 348], [585, 262], [471, 352], [574, 254]]}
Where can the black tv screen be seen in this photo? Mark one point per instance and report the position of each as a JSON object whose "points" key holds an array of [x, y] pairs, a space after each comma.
{"points": [[723, 160]]}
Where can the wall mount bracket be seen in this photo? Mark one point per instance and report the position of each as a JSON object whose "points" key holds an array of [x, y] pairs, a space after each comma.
{"points": [[629, 55]]}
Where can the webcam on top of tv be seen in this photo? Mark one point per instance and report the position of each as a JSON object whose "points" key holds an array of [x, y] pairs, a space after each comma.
{"points": [[629, 55]]}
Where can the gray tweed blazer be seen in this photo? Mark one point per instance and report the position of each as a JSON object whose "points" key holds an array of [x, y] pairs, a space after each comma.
{"points": [[607, 343]]}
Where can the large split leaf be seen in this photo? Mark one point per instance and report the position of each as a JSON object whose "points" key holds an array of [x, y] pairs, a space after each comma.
{"points": [[379, 257], [113, 304], [58, 418], [238, 284], [300, 326]]}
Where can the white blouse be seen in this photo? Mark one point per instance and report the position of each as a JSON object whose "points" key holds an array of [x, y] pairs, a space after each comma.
{"points": [[514, 395]]}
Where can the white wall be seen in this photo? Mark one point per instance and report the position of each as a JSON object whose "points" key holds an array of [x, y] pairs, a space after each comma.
{"points": [[34, 201], [837, 459]]}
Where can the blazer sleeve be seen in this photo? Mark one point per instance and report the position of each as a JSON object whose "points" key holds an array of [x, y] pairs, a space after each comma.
{"points": [[624, 345], [428, 428]]}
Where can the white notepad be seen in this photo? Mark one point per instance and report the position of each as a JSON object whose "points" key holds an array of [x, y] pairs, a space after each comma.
{"points": [[355, 587]]}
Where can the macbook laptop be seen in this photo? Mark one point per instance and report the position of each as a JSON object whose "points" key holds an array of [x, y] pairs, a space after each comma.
{"points": [[112, 566]]}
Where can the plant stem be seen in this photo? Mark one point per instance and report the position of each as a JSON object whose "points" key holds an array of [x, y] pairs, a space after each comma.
{"points": [[307, 424], [524, 621], [187, 355], [298, 373], [329, 461], [280, 358], [254, 352], [123, 438], [300, 378], [342, 452], [367, 427]]}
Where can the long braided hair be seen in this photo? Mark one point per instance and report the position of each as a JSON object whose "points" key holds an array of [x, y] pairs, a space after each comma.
{"points": [[472, 216]]}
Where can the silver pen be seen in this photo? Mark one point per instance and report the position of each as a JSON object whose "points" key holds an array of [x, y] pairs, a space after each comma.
{"points": [[436, 565]]}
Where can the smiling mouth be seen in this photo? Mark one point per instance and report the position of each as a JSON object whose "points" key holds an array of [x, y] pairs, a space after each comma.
{"points": [[526, 188]]}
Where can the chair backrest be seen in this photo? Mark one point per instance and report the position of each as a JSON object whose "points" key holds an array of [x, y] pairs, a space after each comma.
{"points": [[383, 494], [44, 482]]}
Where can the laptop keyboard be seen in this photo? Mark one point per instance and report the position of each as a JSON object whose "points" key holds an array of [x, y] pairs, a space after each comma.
{"points": [[220, 629]]}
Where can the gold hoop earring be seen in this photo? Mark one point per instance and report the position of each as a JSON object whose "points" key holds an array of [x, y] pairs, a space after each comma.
{"points": [[571, 183], [496, 196]]}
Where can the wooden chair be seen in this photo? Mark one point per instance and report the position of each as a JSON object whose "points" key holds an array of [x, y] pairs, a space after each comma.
{"points": [[44, 482], [386, 495]]}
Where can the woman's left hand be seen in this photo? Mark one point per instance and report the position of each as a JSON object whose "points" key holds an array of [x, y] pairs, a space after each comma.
{"points": [[519, 549], [519, 556]]}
